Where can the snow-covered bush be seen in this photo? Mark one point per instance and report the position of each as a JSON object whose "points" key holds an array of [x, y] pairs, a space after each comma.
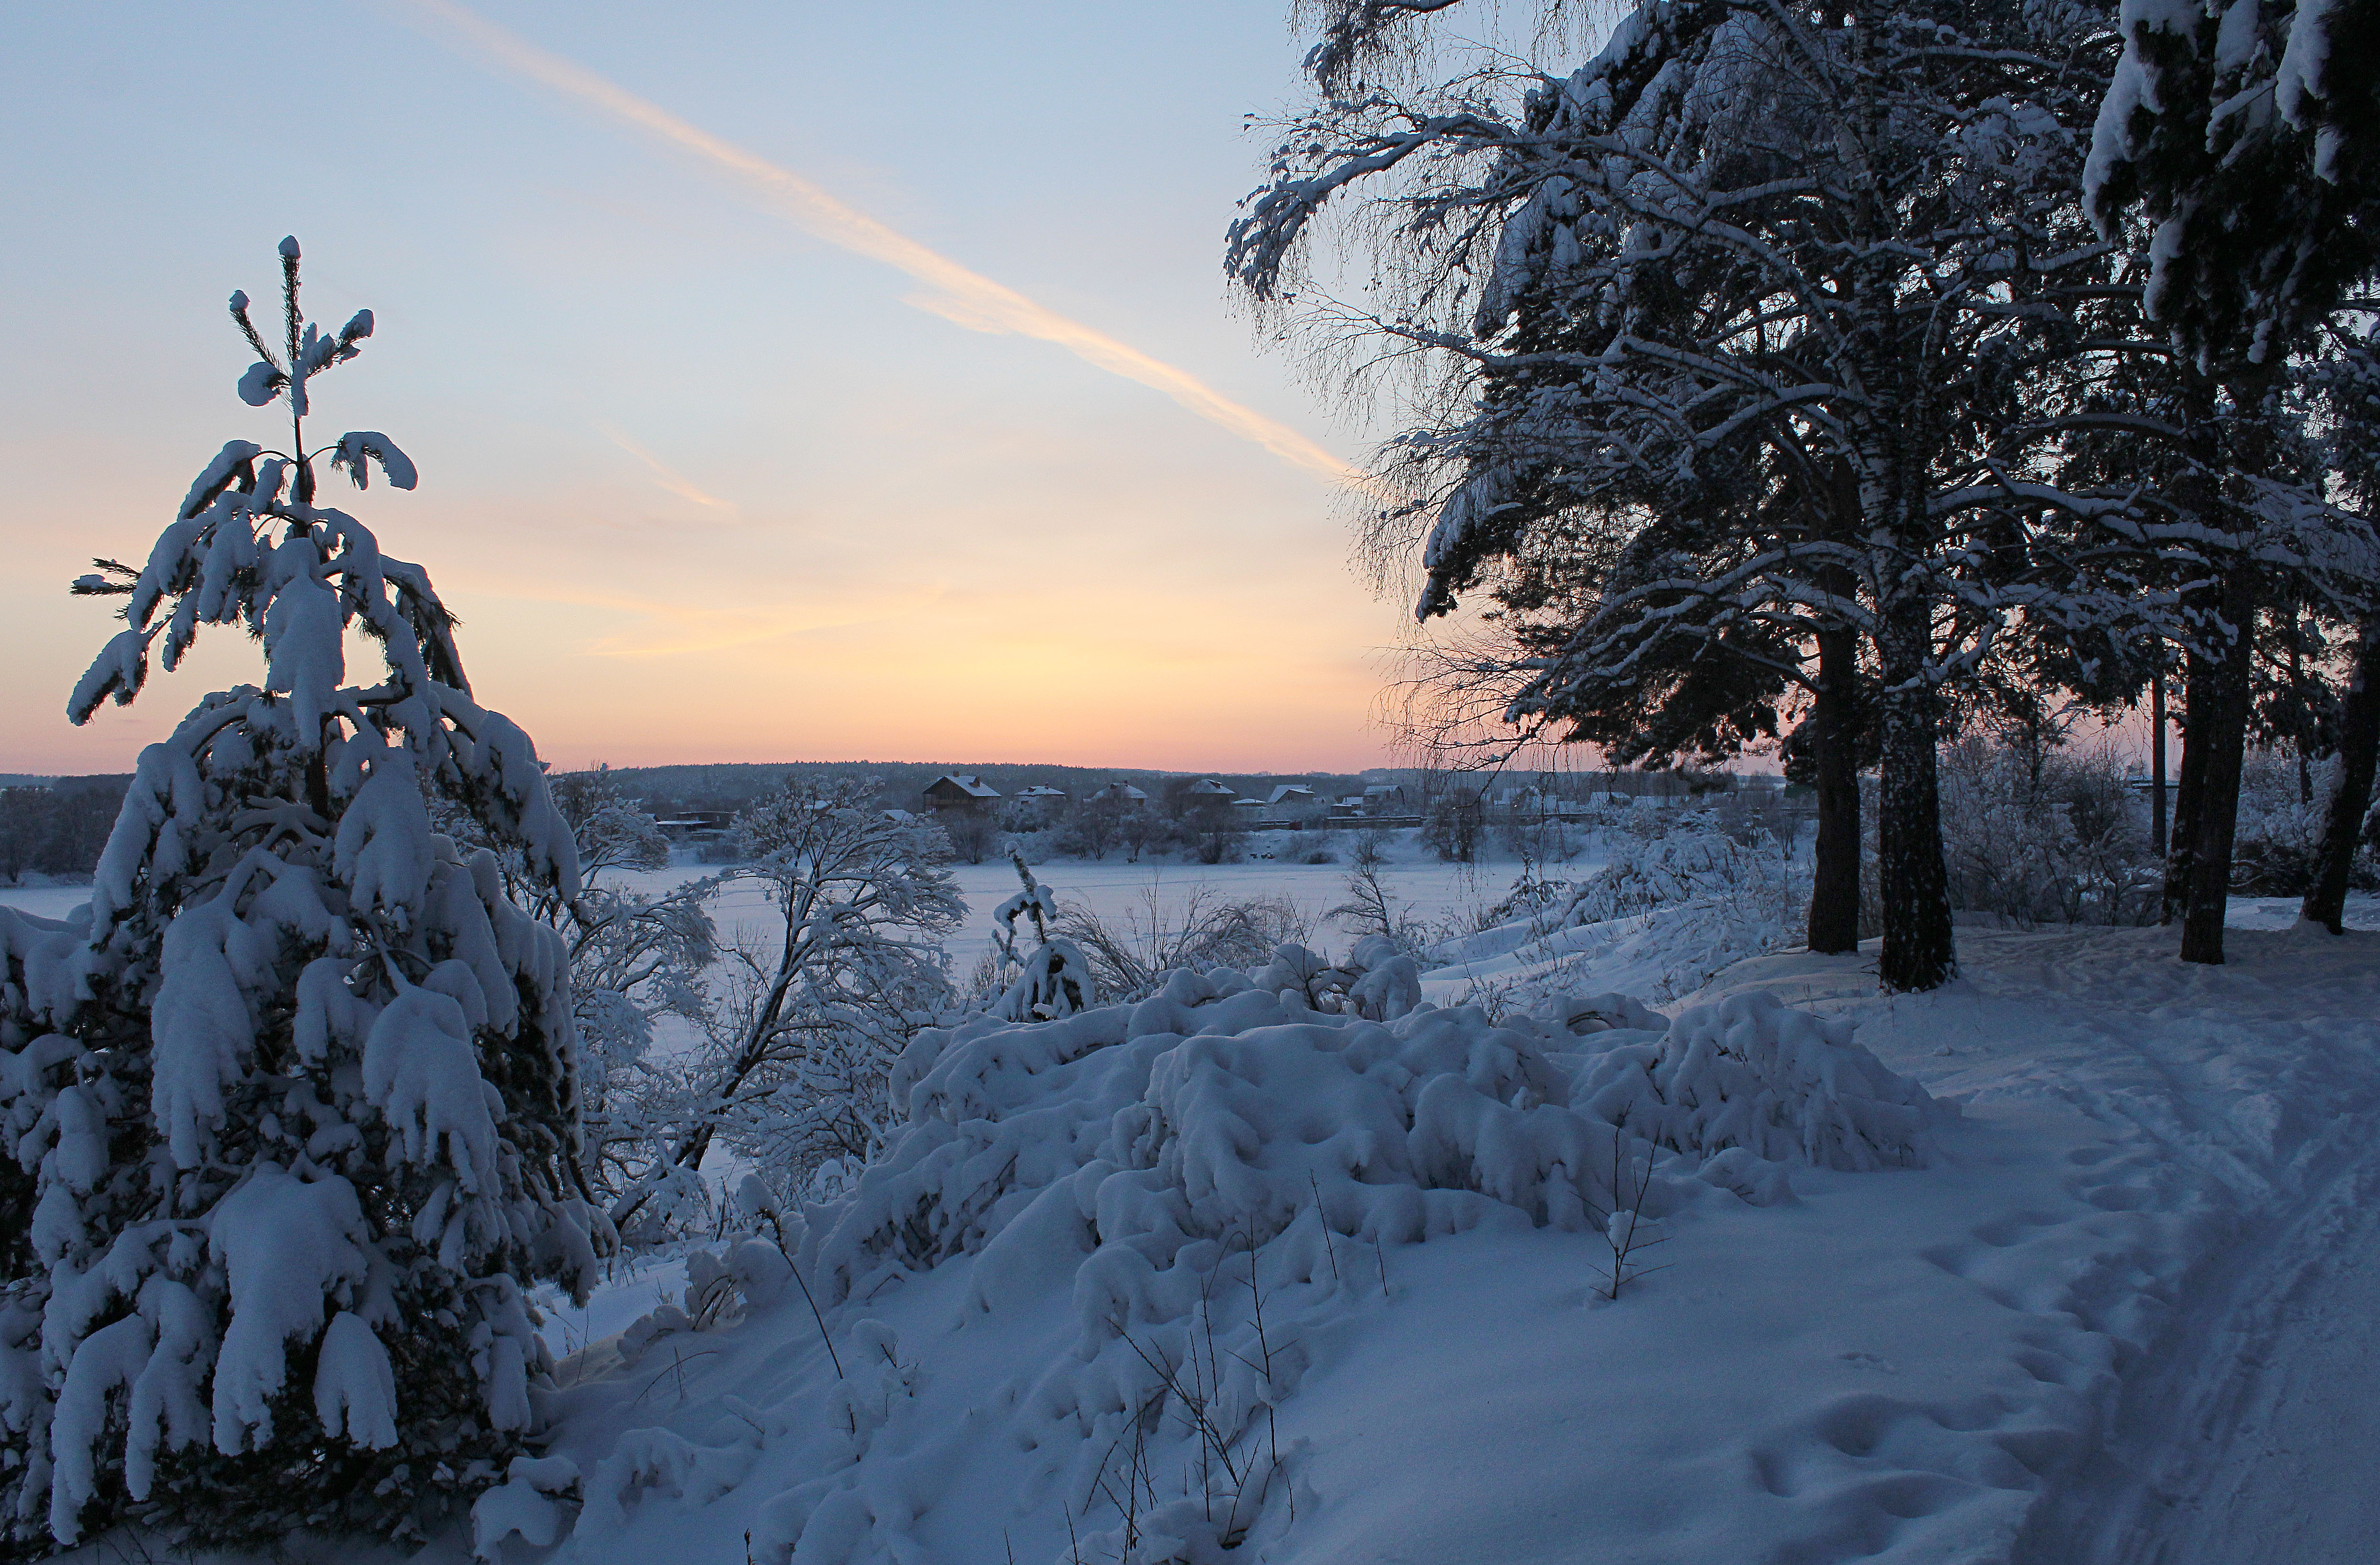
{"points": [[292, 1111], [1786, 1086], [1656, 862], [1679, 899], [2280, 831], [1217, 1171], [2050, 837], [1690, 898]]}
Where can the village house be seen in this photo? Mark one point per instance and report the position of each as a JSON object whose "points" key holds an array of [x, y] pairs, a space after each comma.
{"points": [[961, 791], [1043, 803], [1293, 801]]}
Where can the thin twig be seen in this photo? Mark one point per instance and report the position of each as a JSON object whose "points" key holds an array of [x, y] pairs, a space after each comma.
{"points": [[1323, 1218]]}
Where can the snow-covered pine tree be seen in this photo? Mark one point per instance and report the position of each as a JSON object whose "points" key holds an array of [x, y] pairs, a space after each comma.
{"points": [[293, 1108], [2245, 132], [636, 957], [1053, 978], [1848, 232], [2249, 132], [2348, 385]]}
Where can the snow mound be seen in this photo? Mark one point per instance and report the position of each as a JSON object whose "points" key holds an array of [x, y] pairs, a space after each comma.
{"points": [[1748, 1071], [1181, 1199], [1665, 916]]}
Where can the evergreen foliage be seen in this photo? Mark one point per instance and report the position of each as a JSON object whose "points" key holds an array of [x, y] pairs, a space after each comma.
{"points": [[294, 1117]]}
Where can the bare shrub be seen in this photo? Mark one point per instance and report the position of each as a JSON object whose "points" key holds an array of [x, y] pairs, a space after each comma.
{"points": [[1130, 954], [1372, 908]]}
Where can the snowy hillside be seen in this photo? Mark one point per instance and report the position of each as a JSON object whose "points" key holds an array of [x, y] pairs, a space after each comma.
{"points": [[1040, 1302]]}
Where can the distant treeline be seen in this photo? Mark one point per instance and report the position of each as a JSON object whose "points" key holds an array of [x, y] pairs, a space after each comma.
{"points": [[57, 828]]}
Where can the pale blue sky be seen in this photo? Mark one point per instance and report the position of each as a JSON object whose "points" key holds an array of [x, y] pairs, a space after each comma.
{"points": [[703, 486]]}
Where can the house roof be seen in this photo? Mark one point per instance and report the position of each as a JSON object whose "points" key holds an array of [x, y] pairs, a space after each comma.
{"points": [[966, 783], [1290, 793], [1042, 790], [1124, 791]]}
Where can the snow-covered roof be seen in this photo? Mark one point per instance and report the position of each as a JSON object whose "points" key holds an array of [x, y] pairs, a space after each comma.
{"points": [[966, 782], [1124, 791], [1208, 788], [1247, 804], [1042, 790], [1290, 793]]}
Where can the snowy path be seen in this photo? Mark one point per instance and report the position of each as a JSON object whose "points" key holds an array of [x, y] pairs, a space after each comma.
{"points": [[2251, 1444]]}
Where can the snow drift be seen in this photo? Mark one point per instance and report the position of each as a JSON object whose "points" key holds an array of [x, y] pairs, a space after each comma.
{"points": [[1207, 1178]]}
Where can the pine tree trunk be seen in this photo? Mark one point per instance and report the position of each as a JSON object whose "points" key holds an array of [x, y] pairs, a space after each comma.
{"points": [[2182, 843], [2193, 491], [2351, 794], [1835, 889], [1919, 951], [2156, 759], [2219, 800]]}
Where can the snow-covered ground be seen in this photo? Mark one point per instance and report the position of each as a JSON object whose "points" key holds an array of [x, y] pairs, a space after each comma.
{"points": [[1898, 1365], [2125, 1314]]}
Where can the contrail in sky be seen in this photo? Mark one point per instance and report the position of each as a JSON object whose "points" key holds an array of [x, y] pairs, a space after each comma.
{"points": [[966, 298], [668, 477]]}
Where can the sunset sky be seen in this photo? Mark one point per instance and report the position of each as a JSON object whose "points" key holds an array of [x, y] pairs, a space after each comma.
{"points": [[787, 380]]}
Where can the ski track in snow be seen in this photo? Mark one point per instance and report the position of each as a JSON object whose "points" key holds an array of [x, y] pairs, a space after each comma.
{"points": [[2247, 1439]]}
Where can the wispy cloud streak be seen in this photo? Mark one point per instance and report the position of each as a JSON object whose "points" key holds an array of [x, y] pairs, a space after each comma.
{"points": [[663, 475], [964, 297]]}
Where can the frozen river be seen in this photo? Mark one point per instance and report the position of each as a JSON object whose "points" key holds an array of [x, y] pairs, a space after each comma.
{"points": [[1434, 892]]}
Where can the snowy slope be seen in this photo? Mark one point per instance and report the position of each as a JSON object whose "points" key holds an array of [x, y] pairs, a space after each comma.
{"points": [[2121, 1228]]}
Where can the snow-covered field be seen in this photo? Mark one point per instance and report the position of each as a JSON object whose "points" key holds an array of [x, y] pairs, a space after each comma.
{"points": [[2124, 1314], [1114, 889]]}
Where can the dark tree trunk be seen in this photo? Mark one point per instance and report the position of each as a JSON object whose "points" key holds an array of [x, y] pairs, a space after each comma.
{"points": [[2226, 744], [2351, 794], [2193, 491], [1919, 951], [2198, 706], [2156, 758], [1835, 889]]}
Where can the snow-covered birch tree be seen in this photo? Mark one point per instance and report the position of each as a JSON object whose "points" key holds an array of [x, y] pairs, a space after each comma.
{"points": [[791, 1072], [293, 1106]]}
